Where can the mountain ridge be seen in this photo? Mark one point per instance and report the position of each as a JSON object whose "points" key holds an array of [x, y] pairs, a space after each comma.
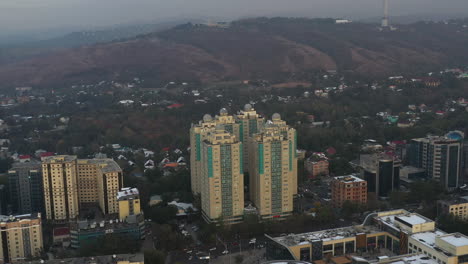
{"points": [[266, 48]]}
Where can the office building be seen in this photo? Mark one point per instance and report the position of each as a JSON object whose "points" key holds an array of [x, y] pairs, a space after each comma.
{"points": [[398, 232], [441, 157], [70, 183], [222, 184], [129, 202], [3, 200], [198, 133], [348, 188], [20, 238], [381, 172], [25, 189], [251, 123], [457, 207], [273, 181]]}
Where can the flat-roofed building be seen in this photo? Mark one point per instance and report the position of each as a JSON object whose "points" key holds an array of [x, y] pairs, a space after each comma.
{"points": [[129, 202], [348, 188], [20, 238], [69, 183], [137, 258], [25, 190], [456, 207], [399, 232]]}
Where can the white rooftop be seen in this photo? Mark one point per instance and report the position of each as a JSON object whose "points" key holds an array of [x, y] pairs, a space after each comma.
{"points": [[127, 192], [413, 219], [457, 240], [349, 178], [428, 238]]}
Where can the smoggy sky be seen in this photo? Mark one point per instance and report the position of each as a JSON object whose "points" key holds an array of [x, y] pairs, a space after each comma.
{"points": [[44, 14]]}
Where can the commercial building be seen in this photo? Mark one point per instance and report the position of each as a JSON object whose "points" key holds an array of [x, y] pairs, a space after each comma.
{"points": [[70, 183], [25, 189], [273, 179], [20, 237], [129, 202], [348, 188], [137, 258], [381, 172], [396, 232], [222, 184], [457, 207], [250, 123], [129, 222], [441, 157]]}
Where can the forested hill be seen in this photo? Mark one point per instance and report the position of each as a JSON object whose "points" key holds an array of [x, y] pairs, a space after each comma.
{"points": [[266, 48]]}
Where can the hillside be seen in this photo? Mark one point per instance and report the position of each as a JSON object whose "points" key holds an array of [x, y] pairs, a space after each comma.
{"points": [[273, 49]]}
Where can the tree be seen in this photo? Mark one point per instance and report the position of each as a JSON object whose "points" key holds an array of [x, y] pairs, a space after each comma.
{"points": [[239, 259], [154, 257], [163, 214]]}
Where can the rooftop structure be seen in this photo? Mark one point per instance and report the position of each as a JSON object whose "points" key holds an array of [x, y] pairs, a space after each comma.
{"points": [[398, 231]]}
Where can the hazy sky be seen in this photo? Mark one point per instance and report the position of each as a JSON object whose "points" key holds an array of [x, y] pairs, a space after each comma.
{"points": [[43, 14]]}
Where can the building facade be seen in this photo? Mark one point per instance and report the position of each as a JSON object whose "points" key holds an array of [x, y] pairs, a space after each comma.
{"points": [[69, 183], [457, 207], [250, 123], [273, 180], [129, 202], [441, 157], [317, 168], [348, 188], [3, 200], [222, 184], [397, 231], [25, 188], [381, 172], [20, 238]]}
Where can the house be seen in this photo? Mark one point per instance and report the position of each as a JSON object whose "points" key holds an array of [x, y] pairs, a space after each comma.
{"points": [[149, 164], [183, 208]]}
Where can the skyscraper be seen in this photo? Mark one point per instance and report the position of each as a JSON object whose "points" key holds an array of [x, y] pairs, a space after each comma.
{"points": [[198, 133], [382, 173], [20, 238], [250, 123], [441, 157], [273, 169], [70, 183], [25, 188], [222, 181]]}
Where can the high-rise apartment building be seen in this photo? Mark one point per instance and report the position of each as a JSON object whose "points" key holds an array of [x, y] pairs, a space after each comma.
{"points": [[441, 157], [273, 169], [129, 202], [250, 123], [381, 172], [25, 187], [222, 181], [198, 134], [70, 183], [60, 187], [348, 188], [20, 238]]}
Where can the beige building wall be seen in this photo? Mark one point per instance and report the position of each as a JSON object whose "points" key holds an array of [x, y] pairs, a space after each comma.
{"points": [[60, 187], [94, 181], [222, 188], [273, 170], [23, 239], [250, 123]]}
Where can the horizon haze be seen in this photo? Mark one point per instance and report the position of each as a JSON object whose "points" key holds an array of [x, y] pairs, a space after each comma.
{"points": [[33, 15]]}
